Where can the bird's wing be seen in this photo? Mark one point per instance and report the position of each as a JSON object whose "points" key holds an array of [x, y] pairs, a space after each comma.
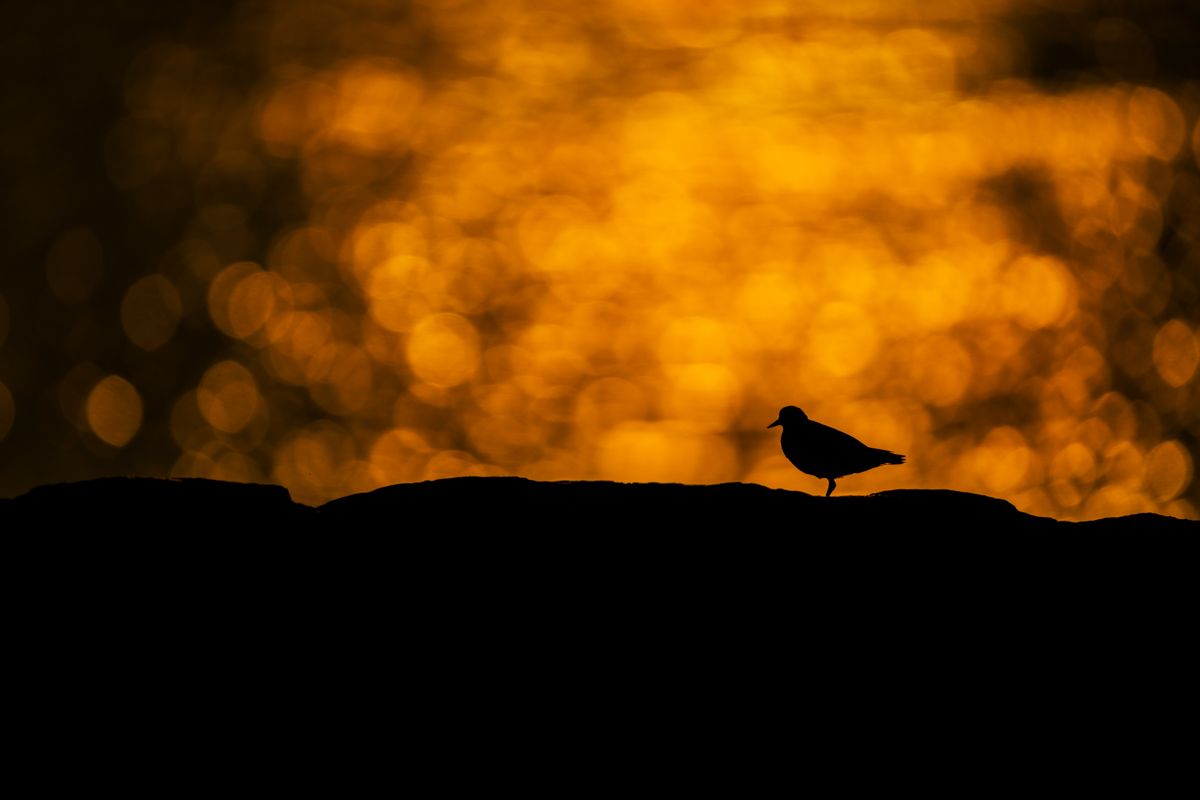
{"points": [[825, 436]]}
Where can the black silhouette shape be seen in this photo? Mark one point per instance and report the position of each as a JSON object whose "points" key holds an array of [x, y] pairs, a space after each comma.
{"points": [[826, 452], [257, 532]]}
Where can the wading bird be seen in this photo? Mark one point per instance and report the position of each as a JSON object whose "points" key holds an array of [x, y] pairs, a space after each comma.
{"points": [[826, 452]]}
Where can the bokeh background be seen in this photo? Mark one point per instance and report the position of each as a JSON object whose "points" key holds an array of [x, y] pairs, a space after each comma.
{"points": [[337, 244]]}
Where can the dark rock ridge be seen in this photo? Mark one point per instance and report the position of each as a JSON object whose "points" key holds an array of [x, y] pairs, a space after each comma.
{"points": [[475, 506], [490, 570]]}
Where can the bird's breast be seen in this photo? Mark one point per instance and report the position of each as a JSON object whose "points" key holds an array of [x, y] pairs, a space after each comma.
{"points": [[802, 455]]}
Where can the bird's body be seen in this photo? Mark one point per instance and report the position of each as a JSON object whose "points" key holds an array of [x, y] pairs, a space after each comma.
{"points": [[825, 452]]}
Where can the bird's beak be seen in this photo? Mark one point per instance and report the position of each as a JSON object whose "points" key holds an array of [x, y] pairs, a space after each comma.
{"points": [[773, 424]]}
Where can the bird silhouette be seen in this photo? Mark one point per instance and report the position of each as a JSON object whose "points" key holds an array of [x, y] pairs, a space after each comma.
{"points": [[826, 452]]}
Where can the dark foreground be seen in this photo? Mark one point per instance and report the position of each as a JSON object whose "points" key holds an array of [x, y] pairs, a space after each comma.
{"points": [[474, 615], [462, 507]]}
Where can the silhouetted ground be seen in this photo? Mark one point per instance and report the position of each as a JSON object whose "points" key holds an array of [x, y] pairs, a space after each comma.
{"points": [[489, 605], [472, 506]]}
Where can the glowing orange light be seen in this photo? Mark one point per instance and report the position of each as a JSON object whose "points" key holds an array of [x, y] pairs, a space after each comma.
{"points": [[1176, 352], [114, 410], [611, 244], [443, 350], [1168, 470], [228, 397], [1156, 123]]}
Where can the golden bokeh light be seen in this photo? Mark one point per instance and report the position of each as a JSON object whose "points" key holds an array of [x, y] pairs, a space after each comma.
{"points": [[253, 301], [1176, 352], [942, 371], [443, 350], [1168, 471], [1156, 124], [842, 339], [664, 453], [114, 410], [228, 397], [399, 456], [374, 105], [610, 240], [1037, 292]]}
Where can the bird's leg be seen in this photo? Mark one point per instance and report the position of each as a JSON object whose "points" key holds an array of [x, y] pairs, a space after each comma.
{"points": [[832, 485]]}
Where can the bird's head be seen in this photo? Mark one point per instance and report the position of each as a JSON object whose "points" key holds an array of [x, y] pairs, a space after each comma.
{"points": [[789, 415]]}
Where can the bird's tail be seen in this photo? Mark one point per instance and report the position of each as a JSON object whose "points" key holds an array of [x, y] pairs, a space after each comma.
{"points": [[888, 457]]}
